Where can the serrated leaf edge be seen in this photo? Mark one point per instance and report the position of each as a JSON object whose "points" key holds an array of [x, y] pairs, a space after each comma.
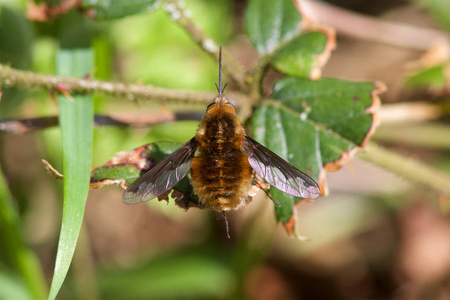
{"points": [[380, 87], [307, 24], [310, 25], [291, 225]]}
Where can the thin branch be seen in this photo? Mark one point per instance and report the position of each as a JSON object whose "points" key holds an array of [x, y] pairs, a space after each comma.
{"points": [[254, 79], [412, 112], [147, 119], [407, 168], [370, 28], [10, 77], [425, 135], [182, 16], [22, 126]]}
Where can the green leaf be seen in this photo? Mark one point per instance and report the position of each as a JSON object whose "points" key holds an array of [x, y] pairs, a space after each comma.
{"points": [[431, 77], [76, 119], [271, 23], [125, 167], [313, 123], [107, 9], [15, 49], [273, 27], [15, 39], [298, 57], [16, 254]]}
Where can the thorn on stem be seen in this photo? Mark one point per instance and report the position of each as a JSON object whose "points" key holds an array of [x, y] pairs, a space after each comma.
{"points": [[63, 89]]}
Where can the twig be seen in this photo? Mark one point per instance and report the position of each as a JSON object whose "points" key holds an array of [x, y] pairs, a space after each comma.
{"points": [[411, 112], [146, 119], [407, 168], [10, 77], [254, 79], [26, 125], [22, 126], [425, 135], [182, 16], [369, 28]]}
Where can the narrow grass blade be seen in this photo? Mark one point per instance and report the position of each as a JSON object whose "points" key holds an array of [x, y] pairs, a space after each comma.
{"points": [[76, 121]]}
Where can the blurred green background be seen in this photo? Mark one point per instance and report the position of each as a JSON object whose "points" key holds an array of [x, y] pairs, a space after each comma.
{"points": [[374, 237]]}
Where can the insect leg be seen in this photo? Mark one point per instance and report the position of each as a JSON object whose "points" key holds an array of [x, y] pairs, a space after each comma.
{"points": [[264, 186], [224, 214]]}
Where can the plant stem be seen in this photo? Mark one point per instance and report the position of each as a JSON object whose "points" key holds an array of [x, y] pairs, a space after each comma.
{"points": [[371, 28], [417, 111], [22, 126], [254, 80], [10, 77], [181, 15], [407, 168], [420, 135]]}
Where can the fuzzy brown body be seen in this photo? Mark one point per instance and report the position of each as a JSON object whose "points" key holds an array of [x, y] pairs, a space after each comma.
{"points": [[220, 173]]}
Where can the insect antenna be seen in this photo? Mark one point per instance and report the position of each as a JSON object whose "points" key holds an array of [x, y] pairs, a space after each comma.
{"points": [[219, 87], [220, 71]]}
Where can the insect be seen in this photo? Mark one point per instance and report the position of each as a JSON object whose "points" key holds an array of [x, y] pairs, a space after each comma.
{"points": [[222, 160]]}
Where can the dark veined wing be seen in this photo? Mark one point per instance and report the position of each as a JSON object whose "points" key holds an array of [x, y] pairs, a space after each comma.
{"points": [[163, 176], [278, 172]]}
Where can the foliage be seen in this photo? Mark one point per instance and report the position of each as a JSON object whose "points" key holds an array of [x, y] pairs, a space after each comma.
{"points": [[432, 78], [314, 123], [76, 119]]}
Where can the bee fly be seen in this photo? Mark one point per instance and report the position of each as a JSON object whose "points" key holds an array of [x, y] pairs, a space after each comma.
{"points": [[221, 158]]}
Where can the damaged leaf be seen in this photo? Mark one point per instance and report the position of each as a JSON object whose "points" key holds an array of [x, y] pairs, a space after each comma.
{"points": [[316, 126], [287, 39], [299, 57], [269, 23], [127, 166]]}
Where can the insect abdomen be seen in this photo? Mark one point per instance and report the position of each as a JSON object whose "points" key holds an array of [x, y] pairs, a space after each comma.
{"points": [[221, 184], [221, 174]]}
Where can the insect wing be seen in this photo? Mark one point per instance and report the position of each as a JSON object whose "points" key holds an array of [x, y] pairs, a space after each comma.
{"points": [[163, 176], [278, 172]]}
